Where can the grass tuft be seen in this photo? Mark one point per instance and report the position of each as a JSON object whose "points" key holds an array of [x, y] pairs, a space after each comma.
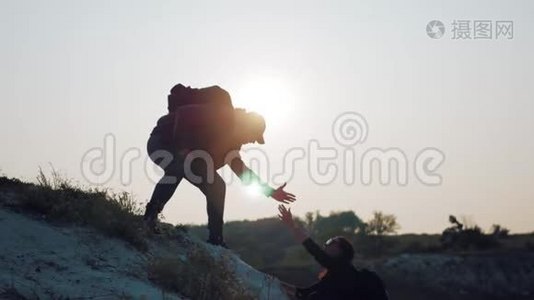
{"points": [[198, 276]]}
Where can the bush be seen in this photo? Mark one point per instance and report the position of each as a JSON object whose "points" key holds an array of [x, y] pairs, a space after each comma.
{"points": [[373, 245], [499, 232], [60, 200], [197, 276], [469, 238], [9, 182], [414, 247]]}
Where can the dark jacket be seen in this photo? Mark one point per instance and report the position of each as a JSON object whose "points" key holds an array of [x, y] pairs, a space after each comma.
{"points": [[208, 128], [342, 280], [199, 127]]}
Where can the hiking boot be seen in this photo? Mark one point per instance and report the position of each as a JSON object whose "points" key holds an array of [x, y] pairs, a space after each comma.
{"points": [[150, 219], [151, 225]]}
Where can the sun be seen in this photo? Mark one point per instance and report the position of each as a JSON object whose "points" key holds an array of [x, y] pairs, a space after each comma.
{"points": [[270, 96]]}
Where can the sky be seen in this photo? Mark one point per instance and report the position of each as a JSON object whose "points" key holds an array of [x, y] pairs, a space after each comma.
{"points": [[74, 72]]}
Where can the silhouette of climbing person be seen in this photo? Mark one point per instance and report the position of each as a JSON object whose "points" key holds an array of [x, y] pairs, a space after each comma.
{"points": [[339, 280], [201, 133]]}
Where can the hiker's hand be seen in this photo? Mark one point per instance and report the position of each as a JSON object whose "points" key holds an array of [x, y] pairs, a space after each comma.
{"points": [[282, 196], [285, 216]]}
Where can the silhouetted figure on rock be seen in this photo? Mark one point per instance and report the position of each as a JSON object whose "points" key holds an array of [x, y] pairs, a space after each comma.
{"points": [[201, 133]]}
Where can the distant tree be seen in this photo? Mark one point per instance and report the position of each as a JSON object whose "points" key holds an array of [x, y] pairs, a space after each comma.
{"points": [[374, 242], [499, 232], [309, 220], [382, 224], [345, 223]]}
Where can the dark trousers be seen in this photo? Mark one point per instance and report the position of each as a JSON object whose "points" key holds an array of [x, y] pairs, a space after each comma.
{"points": [[207, 180]]}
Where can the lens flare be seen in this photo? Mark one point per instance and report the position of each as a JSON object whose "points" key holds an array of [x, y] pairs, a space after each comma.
{"points": [[254, 189]]}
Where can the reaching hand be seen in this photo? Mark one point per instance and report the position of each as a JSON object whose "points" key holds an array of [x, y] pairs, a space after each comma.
{"points": [[285, 216], [282, 196]]}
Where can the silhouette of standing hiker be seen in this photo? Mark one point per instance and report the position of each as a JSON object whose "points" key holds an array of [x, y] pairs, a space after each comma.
{"points": [[201, 133], [340, 280]]}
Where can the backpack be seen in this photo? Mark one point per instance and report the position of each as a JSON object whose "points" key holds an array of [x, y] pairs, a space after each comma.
{"points": [[214, 95]]}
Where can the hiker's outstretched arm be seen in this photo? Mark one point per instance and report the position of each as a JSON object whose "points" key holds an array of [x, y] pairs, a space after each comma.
{"points": [[287, 218], [302, 237], [249, 177], [318, 253]]}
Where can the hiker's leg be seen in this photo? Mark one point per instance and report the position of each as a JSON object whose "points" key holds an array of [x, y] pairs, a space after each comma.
{"points": [[214, 188], [163, 191], [167, 185], [215, 195]]}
